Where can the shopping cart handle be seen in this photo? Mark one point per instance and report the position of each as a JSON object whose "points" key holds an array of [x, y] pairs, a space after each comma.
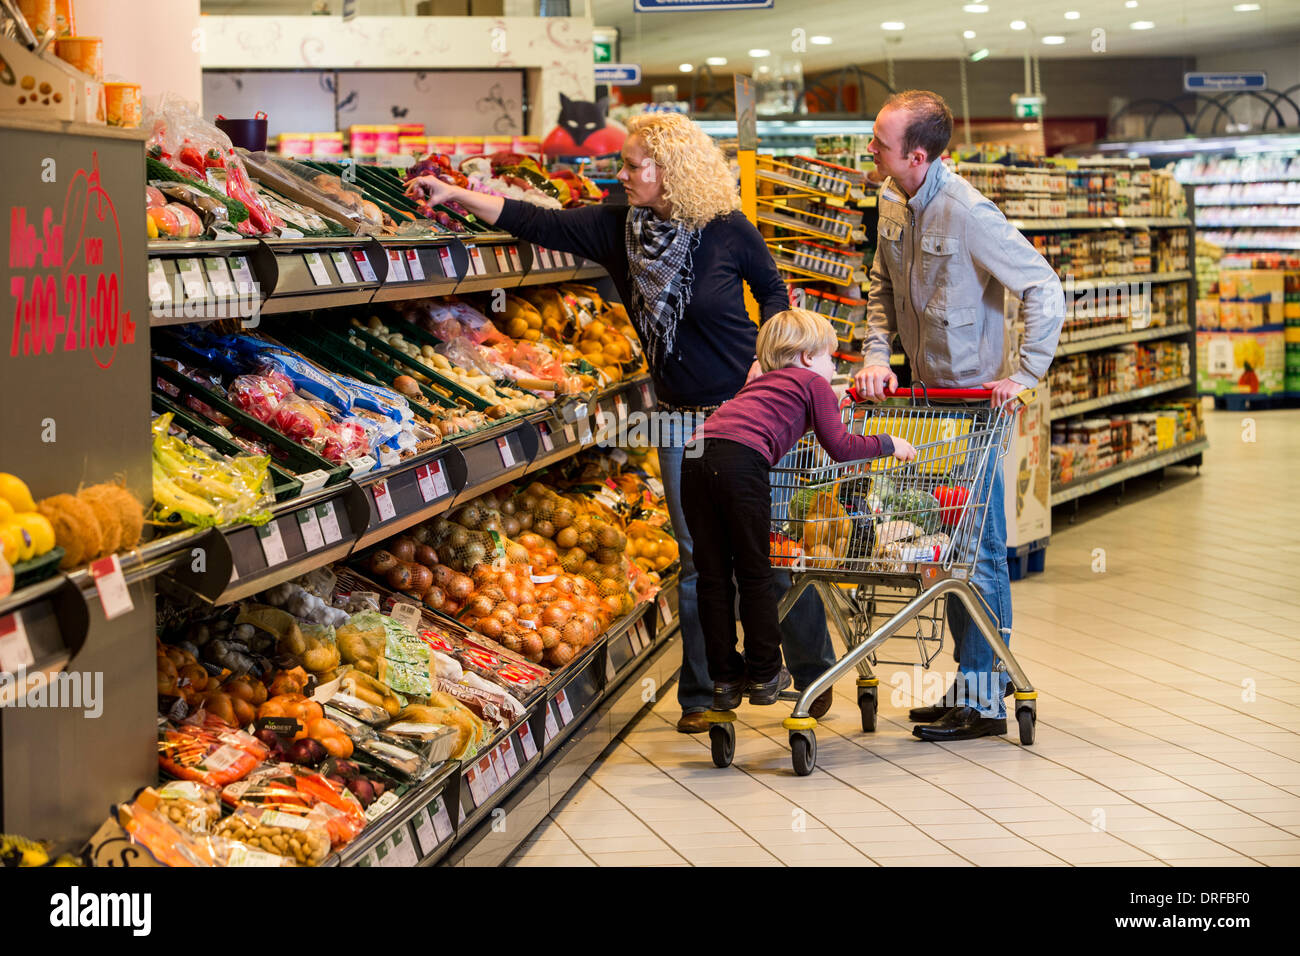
{"points": [[945, 394]]}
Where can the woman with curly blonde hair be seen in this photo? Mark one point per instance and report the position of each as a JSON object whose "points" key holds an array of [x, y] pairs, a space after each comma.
{"points": [[679, 255]]}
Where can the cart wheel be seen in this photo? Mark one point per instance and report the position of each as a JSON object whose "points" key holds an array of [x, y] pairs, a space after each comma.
{"points": [[722, 738], [868, 703], [803, 751], [1028, 726]]}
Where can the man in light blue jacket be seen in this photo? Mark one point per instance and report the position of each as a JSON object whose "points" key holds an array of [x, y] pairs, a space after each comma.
{"points": [[944, 255]]}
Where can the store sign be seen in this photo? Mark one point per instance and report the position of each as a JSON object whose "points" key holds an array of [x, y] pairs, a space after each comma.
{"points": [[1224, 82], [1028, 107], [603, 51], [661, 6], [618, 74]]}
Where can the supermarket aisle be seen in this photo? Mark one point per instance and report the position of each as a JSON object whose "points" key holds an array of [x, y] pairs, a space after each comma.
{"points": [[1169, 708]]}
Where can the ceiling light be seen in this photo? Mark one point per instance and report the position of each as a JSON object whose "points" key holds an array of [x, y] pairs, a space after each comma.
{"points": [[820, 41], [1017, 24], [1141, 25], [716, 61], [969, 34], [979, 54], [1071, 14], [1054, 40], [760, 53], [1245, 7], [892, 25], [686, 68], [976, 8], [1130, 3]]}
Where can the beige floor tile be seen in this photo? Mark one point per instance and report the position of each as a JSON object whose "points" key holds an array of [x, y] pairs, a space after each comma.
{"points": [[637, 858], [929, 860]]}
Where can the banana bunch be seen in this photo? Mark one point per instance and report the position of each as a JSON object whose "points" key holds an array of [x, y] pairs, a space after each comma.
{"points": [[196, 488], [18, 851]]}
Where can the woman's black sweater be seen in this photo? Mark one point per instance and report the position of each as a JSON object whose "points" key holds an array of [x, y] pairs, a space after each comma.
{"points": [[715, 340]]}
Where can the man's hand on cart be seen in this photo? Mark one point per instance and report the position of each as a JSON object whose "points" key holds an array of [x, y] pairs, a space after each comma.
{"points": [[903, 449], [872, 381], [1003, 390]]}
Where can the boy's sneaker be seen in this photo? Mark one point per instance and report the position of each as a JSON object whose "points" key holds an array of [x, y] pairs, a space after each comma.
{"points": [[727, 694], [768, 691]]}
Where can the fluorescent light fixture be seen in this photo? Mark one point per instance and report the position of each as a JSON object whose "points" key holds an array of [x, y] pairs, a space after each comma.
{"points": [[1017, 24], [979, 54], [716, 61], [686, 68], [1245, 7], [1071, 14], [760, 53], [820, 41], [969, 34], [1130, 3], [976, 8], [1141, 25], [892, 25], [1054, 40]]}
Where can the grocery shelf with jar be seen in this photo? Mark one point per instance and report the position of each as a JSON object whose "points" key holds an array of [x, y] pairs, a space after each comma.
{"points": [[1246, 202], [320, 399], [1119, 236]]}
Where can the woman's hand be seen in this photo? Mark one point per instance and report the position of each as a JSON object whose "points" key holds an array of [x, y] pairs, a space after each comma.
{"points": [[431, 189], [903, 449]]}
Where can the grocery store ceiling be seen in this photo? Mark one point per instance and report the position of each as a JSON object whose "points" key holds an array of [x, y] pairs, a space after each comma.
{"points": [[930, 29]]}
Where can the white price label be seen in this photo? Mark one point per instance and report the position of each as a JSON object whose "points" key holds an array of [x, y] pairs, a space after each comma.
{"points": [[425, 481], [383, 500], [425, 834], [476, 259], [316, 266], [460, 813], [111, 585], [569, 436], [15, 650], [552, 728], [526, 740], [544, 431], [508, 757], [363, 465], [272, 543], [665, 613], [329, 522], [192, 278], [242, 855], [621, 407], [278, 818], [343, 267], [515, 262], [407, 614], [414, 266], [544, 257], [396, 269], [441, 820], [448, 264], [503, 260], [570, 261], [507, 455], [219, 277], [584, 425], [477, 788], [566, 712], [498, 771], [160, 289], [309, 525], [363, 265], [439, 476], [403, 852], [312, 480], [643, 630], [242, 274], [646, 400]]}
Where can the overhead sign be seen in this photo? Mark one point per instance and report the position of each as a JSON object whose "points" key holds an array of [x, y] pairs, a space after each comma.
{"points": [[1224, 82], [1028, 107], [618, 74], [603, 51], [660, 6]]}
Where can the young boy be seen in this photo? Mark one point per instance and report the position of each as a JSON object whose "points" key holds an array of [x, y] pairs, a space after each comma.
{"points": [[726, 496]]}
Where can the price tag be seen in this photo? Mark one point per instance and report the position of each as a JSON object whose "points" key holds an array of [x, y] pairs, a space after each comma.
{"points": [[566, 712], [448, 265], [476, 260], [329, 522], [503, 260], [312, 480], [646, 399], [272, 543], [584, 425], [242, 274], [570, 261], [160, 289], [552, 728], [15, 651], [515, 262], [407, 614], [402, 852], [363, 265], [414, 265], [503, 446], [478, 790], [544, 257], [499, 769], [439, 476], [425, 481], [316, 266], [343, 267], [191, 278], [219, 277], [509, 759], [425, 835], [383, 500], [569, 436], [610, 673], [362, 465], [620, 407], [111, 585], [460, 813], [396, 270], [643, 629], [242, 855], [544, 431], [309, 525], [441, 820], [526, 740], [665, 613]]}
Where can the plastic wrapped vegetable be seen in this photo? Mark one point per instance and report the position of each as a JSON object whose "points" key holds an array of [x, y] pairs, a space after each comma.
{"points": [[198, 488], [302, 794], [211, 757]]}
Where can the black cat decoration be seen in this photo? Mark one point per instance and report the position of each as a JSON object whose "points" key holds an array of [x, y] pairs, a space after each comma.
{"points": [[584, 130]]}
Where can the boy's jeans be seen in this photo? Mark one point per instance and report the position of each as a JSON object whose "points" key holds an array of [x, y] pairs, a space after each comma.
{"points": [[806, 642]]}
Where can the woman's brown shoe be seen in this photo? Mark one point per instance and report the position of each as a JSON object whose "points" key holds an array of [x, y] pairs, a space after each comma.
{"points": [[695, 723]]}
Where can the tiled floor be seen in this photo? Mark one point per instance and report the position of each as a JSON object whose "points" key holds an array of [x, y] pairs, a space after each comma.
{"points": [[1164, 640]]}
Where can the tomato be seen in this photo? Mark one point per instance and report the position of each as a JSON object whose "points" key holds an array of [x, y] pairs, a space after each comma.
{"points": [[952, 501]]}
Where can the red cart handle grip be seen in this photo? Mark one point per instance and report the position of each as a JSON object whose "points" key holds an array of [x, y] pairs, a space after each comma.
{"points": [[944, 394]]}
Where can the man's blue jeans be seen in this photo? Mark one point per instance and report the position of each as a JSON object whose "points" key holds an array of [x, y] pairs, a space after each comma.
{"points": [[983, 689], [806, 642]]}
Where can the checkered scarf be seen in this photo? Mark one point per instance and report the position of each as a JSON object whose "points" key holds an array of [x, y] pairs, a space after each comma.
{"points": [[659, 254]]}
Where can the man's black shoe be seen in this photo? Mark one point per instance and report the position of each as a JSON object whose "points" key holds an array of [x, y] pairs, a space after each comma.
{"points": [[727, 694], [962, 723], [768, 691], [928, 715]]}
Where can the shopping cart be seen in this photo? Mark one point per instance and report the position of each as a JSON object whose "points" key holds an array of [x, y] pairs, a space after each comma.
{"points": [[882, 542]]}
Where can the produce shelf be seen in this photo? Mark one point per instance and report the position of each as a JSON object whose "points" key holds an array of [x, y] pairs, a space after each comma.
{"points": [[411, 492], [415, 268], [1121, 338], [422, 820], [1130, 469], [43, 626], [491, 266], [1117, 222], [489, 777], [318, 273], [1080, 408]]}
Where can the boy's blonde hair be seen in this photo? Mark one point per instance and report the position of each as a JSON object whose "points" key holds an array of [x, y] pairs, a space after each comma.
{"points": [[788, 334]]}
